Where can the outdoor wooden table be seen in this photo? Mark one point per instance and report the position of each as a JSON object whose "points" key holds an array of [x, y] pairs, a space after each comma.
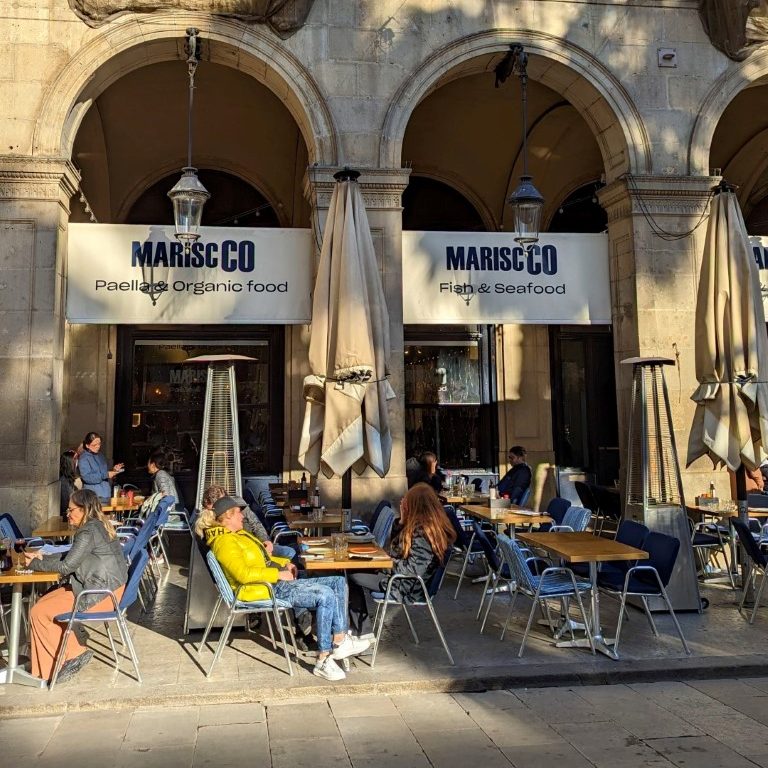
{"points": [[585, 547], [297, 521], [14, 673], [111, 508], [513, 516], [379, 559], [465, 499], [54, 528]]}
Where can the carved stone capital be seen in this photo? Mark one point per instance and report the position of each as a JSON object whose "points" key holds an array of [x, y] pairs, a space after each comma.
{"points": [[382, 187], [657, 196], [34, 178]]}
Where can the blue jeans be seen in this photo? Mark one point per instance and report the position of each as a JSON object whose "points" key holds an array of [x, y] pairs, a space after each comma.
{"points": [[280, 550], [327, 596]]}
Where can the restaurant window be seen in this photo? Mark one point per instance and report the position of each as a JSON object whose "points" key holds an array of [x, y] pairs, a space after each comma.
{"points": [[161, 398], [448, 395]]}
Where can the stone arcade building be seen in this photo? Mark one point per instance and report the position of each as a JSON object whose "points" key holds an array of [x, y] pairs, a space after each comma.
{"points": [[634, 114]]}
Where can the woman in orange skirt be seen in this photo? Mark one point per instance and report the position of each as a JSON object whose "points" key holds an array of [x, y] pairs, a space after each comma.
{"points": [[95, 561]]}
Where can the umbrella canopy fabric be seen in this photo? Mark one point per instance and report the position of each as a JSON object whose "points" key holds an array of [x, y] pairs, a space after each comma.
{"points": [[346, 422], [731, 420]]}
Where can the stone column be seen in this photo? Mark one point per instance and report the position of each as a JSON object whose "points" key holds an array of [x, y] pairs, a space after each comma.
{"points": [[653, 293], [382, 191], [34, 210]]}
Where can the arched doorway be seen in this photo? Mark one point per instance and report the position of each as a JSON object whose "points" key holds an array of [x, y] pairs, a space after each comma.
{"points": [[130, 146]]}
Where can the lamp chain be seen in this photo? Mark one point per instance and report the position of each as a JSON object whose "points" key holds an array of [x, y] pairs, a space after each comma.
{"points": [[192, 58]]}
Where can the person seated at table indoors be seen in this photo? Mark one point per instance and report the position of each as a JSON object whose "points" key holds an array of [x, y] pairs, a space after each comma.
{"points": [[244, 560], [518, 479], [95, 561], [69, 480], [417, 549], [251, 523], [93, 467], [429, 472]]}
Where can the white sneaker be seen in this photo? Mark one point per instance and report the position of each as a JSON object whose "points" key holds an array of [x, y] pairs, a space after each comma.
{"points": [[328, 669], [350, 646]]}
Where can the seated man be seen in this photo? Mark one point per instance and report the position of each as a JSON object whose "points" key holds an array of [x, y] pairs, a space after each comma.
{"points": [[244, 560], [517, 481]]}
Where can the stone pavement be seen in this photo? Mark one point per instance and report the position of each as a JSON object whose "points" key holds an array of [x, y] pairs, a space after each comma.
{"points": [[705, 724], [723, 644]]}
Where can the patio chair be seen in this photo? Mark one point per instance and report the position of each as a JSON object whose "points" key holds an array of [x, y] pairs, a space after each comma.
{"points": [[554, 582], [608, 506], [647, 579], [630, 533], [359, 527], [465, 544], [497, 573], [383, 527], [556, 509], [384, 599], [116, 616], [576, 519], [270, 607], [706, 539], [759, 562], [526, 497]]}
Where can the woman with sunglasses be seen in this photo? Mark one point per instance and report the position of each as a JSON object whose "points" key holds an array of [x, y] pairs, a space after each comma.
{"points": [[95, 561]]}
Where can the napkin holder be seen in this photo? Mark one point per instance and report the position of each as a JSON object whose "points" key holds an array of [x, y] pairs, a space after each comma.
{"points": [[711, 502]]}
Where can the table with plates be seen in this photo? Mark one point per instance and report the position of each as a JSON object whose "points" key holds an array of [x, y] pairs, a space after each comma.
{"points": [[362, 556], [513, 515], [584, 547], [13, 672], [300, 521]]}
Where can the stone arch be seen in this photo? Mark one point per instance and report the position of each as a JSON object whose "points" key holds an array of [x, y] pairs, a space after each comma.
{"points": [[133, 42], [735, 79], [557, 63]]}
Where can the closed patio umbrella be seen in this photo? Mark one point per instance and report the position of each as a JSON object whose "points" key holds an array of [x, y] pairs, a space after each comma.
{"points": [[731, 420], [345, 422]]}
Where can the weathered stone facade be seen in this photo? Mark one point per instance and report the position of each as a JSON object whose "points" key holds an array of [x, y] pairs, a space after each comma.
{"points": [[351, 78]]}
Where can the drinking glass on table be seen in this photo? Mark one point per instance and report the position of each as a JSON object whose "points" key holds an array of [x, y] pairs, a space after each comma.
{"points": [[19, 546], [340, 546]]}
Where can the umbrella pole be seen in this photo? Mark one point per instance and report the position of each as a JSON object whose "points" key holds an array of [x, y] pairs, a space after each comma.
{"points": [[741, 500], [346, 500]]}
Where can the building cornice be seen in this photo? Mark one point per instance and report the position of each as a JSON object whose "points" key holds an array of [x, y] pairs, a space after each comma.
{"points": [[34, 178], [382, 188]]}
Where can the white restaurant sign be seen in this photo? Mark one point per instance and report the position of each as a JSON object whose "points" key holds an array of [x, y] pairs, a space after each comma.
{"points": [[232, 275], [477, 277]]}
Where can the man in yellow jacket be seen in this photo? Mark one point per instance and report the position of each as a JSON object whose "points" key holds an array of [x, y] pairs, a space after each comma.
{"points": [[244, 560]]}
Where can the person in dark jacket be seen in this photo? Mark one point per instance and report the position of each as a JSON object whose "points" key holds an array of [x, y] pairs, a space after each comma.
{"points": [[95, 561], [518, 479], [428, 473], [423, 538], [93, 467]]}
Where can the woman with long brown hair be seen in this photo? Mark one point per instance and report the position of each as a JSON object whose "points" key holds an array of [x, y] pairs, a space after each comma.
{"points": [[418, 549], [95, 561]]}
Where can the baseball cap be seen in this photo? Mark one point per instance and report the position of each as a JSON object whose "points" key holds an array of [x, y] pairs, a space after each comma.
{"points": [[225, 503]]}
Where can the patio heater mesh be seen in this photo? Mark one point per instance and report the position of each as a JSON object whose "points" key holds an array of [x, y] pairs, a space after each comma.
{"points": [[654, 487], [219, 453], [653, 475]]}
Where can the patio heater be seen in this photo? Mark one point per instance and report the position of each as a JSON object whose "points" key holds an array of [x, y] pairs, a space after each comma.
{"points": [[219, 465], [654, 488]]}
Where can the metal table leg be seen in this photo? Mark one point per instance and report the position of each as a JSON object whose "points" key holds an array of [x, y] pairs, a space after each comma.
{"points": [[602, 644], [13, 673]]}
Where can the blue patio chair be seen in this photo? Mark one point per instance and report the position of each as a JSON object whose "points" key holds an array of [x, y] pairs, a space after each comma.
{"points": [[526, 497], [383, 527], [647, 579], [759, 564], [556, 509], [10, 530], [116, 616], [385, 599], [576, 519], [554, 582], [359, 527], [707, 539], [630, 533], [271, 607], [465, 544]]}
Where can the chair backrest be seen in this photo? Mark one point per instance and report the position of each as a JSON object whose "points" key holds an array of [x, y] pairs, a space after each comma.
{"points": [[577, 518], [557, 508], [376, 512], [462, 540], [436, 580], [751, 547], [144, 534], [248, 496], [135, 572], [225, 590], [607, 501], [526, 497], [163, 510], [513, 556], [584, 491], [485, 544], [662, 553], [383, 526], [8, 527], [632, 534]]}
